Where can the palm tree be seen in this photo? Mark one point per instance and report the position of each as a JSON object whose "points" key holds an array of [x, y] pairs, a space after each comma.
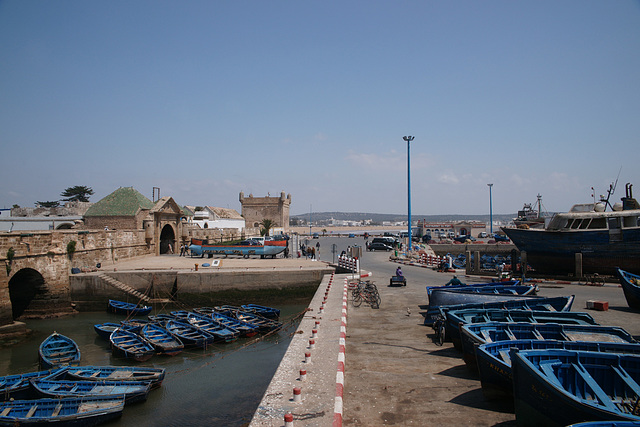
{"points": [[266, 224]]}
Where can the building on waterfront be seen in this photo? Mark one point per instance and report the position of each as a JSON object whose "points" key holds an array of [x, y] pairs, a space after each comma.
{"points": [[213, 217], [42, 219], [450, 229], [276, 209]]}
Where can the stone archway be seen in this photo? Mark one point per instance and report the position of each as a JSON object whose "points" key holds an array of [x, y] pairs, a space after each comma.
{"points": [[23, 288], [167, 239]]}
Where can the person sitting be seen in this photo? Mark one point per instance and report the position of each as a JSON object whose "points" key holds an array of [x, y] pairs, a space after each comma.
{"points": [[454, 282], [399, 272]]}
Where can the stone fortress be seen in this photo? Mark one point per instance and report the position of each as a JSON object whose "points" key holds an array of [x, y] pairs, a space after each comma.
{"points": [[125, 224]]}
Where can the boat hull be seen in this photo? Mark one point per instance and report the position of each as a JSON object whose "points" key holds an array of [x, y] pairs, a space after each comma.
{"points": [[86, 411], [494, 360], [631, 287], [58, 350], [554, 252], [473, 335], [552, 395], [240, 250]]}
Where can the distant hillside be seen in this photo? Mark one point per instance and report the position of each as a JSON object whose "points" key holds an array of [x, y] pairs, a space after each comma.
{"points": [[379, 218]]}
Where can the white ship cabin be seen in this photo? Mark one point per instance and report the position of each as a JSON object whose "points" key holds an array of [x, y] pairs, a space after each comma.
{"points": [[592, 216]]}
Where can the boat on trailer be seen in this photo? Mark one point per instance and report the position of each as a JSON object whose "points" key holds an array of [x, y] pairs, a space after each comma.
{"points": [[563, 387]]}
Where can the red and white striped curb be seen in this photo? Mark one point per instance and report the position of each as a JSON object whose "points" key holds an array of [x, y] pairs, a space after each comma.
{"points": [[337, 412]]}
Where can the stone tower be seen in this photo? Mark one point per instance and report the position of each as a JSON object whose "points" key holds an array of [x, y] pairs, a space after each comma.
{"points": [[255, 209]]}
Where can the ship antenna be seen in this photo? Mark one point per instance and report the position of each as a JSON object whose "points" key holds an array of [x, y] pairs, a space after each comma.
{"points": [[612, 189]]}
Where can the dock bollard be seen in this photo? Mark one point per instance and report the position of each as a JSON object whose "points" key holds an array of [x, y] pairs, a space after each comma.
{"points": [[312, 344], [288, 419], [297, 395], [314, 333], [307, 357], [303, 374]]}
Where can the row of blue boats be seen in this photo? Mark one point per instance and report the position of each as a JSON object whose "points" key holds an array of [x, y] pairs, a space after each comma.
{"points": [[558, 367], [169, 334], [64, 393]]}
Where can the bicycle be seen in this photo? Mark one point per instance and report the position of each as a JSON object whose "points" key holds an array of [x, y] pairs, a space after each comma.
{"points": [[368, 292], [439, 326]]}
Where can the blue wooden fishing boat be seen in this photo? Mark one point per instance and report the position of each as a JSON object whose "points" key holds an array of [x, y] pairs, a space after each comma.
{"points": [[473, 285], [494, 360], [127, 308], [218, 330], [268, 312], [155, 376], [161, 319], [58, 350], [455, 318], [105, 329], [244, 328], [134, 325], [161, 339], [443, 296], [631, 287], [18, 387], [133, 391], [607, 424], [263, 324], [76, 411], [563, 387], [563, 303], [476, 334], [128, 344], [255, 247], [189, 335]]}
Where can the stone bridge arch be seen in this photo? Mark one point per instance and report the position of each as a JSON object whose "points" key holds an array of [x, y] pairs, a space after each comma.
{"points": [[24, 287]]}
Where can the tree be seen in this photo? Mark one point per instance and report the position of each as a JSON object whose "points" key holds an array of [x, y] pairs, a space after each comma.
{"points": [[79, 193], [266, 224], [53, 204]]}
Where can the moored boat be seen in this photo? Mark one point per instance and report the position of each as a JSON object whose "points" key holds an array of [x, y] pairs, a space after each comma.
{"points": [[256, 247], [218, 330], [17, 386], [130, 345], [116, 373], [263, 324], [105, 329], [494, 360], [268, 312], [631, 287], [456, 318], [560, 387], [69, 411], [476, 334], [58, 350], [562, 303], [473, 286], [161, 339], [244, 328], [188, 334], [133, 391], [127, 308]]}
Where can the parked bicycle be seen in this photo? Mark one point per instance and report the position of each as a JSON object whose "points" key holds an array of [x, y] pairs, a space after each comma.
{"points": [[439, 325], [367, 292]]}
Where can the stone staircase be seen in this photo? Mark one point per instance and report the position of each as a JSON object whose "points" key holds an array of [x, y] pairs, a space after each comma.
{"points": [[129, 290]]}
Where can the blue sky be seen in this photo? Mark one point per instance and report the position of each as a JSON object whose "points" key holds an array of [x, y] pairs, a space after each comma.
{"points": [[205, 99]]}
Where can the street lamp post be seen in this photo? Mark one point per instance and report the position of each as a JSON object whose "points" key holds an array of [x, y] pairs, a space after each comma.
{"points": [[409, 139], [490, 210]]}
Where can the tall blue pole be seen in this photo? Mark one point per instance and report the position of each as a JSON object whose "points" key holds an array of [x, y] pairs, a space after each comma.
{"points": [[409, 139], [490, 211]]}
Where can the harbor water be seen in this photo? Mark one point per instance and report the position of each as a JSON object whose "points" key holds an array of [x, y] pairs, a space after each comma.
{"points": [[221, 385]]}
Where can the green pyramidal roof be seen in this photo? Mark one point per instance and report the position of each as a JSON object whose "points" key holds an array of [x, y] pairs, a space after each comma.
{"points": [[125, 201]]}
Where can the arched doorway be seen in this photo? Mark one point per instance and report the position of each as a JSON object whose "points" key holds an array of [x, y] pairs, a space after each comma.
{"points": [[167, 240], [23, 287]]}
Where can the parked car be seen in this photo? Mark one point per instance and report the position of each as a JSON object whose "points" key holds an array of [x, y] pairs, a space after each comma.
{"points": [[500, 238], [378, 246], [463, 239], [483, 234]]}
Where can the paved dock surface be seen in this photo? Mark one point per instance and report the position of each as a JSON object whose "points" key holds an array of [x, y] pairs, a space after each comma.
{"points": [[394, 374]]}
